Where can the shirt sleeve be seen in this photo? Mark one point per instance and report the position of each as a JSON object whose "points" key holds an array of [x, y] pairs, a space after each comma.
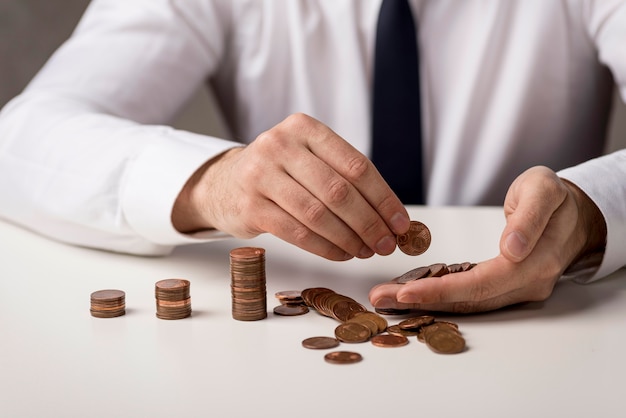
{"points": [[85, 156], [604, 179]]}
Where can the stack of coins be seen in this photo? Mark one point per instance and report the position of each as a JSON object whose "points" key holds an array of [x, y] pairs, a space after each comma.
{"points": [[291, 303], [108, 303], [173, 300], [248, 289]]}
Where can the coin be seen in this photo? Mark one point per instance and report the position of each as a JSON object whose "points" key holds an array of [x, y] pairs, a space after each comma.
{"points": [[352, 332], [411, 275], [343, 357], [414, 324], [381, 323], [391, 311], [389, 340], [395, 329], [416, 240], [320, 343], [444, 341], [437, 270], [286, 310]]}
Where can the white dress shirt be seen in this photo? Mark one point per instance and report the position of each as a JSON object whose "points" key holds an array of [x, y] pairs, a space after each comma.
{"points": [[86, 156]]}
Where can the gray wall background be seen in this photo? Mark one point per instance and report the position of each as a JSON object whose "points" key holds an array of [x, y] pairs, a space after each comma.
{"points": [[30, 30]]}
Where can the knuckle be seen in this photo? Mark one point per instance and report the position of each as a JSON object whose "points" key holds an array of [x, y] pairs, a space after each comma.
{"points": [[387, 203], [271, 141], [372, 228], [301, 235], [338, 191], [315, 213], [357, 167]]}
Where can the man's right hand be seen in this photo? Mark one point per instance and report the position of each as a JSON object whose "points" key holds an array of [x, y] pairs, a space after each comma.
{"points": [[301, 182]]}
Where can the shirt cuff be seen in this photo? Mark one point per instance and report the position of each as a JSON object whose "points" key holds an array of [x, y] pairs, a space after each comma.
{"points": [[604, 180], [156, 177]]}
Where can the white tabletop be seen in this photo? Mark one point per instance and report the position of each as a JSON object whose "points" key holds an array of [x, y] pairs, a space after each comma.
{"points": [[564, 357]]}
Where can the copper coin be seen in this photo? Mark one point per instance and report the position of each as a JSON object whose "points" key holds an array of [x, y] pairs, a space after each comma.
{"points": [[320, 343], [395, 329], [286, 310], [445, 341], [246, 253], [455, 268], [416, 240], [416, 323], [467, 266], [343, 357], [352, 332], [381, 323], [107, 295], [437, 326], [411, 275], [438, 270], [389, 340], [172, 284], [392, 311]]}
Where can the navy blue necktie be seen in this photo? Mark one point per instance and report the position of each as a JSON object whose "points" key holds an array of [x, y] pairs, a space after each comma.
{"points": [[396, 120]]}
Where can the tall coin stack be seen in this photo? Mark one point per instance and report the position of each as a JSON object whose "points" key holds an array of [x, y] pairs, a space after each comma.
{"points": [[247, 273], [173, 300], [108, 303]]}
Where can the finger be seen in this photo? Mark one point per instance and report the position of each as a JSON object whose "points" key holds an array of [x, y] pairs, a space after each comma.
{"points": [[312, 213], [529, 205], [352, 165], [361, 223], [274, 220]]}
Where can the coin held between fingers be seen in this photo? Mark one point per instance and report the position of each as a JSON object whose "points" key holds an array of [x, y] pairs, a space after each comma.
{"points": [[416, 240]]}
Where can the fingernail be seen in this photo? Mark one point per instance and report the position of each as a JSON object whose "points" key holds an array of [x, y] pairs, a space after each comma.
{"points": [[365, 252], [386, 245], [516, 245], [409, 298], [400, 223], [385, 303]]}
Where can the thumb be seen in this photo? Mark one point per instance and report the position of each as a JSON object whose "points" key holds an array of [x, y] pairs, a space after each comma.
{"points": [[529, 205]]}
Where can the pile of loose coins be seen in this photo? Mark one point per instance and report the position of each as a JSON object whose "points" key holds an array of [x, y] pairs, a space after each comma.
{"points": [[433, 270], [173, 300], [108, 303], [248, 288], [358, 325]]}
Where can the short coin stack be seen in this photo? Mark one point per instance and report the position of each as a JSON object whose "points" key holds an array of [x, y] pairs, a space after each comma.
{"points": [[291, 303], [108, 303], [248, 288], [173, 300]]}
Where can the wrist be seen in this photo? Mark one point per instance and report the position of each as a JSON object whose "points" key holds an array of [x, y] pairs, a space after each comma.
{"points": [[592, 225], [191, 211]]}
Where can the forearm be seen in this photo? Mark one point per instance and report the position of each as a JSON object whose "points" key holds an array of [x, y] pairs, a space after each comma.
{"points": [[92, 179]]}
